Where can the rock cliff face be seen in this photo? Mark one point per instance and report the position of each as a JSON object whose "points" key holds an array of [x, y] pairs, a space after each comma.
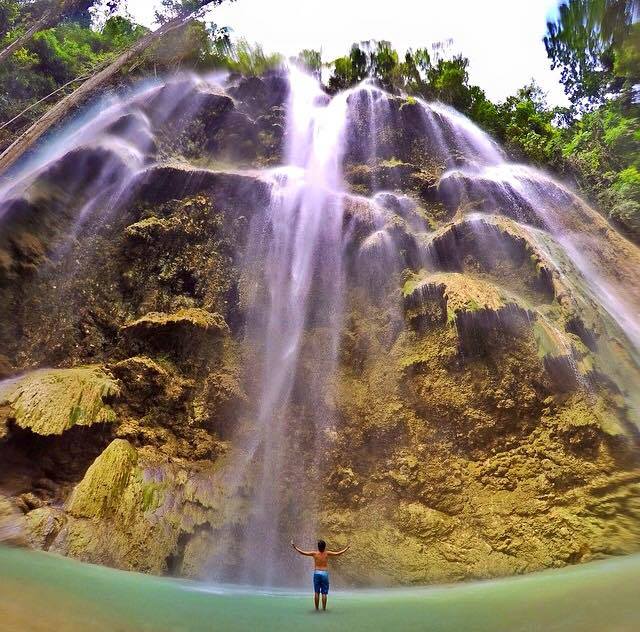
{"points": [[481, 415]]}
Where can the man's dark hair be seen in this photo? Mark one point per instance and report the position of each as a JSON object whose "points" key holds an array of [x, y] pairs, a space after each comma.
{"points": [[322, 545]]}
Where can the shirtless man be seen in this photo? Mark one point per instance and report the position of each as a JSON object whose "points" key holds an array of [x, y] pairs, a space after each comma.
{"points": [[321, 570]]}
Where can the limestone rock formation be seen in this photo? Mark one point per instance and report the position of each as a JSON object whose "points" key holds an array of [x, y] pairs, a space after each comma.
{"points": [[479, 418], [50, 401]]}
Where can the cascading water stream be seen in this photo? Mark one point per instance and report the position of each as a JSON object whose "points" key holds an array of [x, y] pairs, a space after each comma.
{"points": [[295, 257], [536, 198], [598, 262], [300, 245]]}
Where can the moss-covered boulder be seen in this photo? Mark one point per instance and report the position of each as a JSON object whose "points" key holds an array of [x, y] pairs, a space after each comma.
{"points": [[50, 401], [100, 493], [133, 509], [163, 182], [482, 467]]}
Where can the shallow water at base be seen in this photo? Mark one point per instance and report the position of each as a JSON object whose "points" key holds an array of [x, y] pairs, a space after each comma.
{"points": [[39, 591]]}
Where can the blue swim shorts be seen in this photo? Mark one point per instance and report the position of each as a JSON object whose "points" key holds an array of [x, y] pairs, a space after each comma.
{"points": [[321, 582]]}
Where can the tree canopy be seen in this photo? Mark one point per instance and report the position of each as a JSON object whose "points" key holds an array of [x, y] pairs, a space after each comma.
{"points": [[596, 46]]}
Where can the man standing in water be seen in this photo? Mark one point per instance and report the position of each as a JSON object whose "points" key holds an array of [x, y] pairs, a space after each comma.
{"points": [[321, 570]]}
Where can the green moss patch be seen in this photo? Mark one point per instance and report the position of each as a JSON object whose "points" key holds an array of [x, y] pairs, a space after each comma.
{"points": [[100, 493]]}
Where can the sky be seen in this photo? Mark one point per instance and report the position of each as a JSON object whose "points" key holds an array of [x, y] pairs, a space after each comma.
{"points": [[501, 38]]}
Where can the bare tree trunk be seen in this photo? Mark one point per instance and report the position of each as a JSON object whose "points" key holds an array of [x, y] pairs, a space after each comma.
{"points": [[83, 92]]}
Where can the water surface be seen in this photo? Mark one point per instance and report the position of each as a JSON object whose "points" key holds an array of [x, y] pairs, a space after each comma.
{"points": [[39, 591]]}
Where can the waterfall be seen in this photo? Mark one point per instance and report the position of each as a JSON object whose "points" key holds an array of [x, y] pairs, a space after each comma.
{"points": [[295, 261], [313, 238], [298, 247]]}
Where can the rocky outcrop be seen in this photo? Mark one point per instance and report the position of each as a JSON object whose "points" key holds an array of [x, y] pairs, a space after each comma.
{"points": [[133, 510], [50, 401], [182, 333], [482, 463], [162, 183], [474, 306]]}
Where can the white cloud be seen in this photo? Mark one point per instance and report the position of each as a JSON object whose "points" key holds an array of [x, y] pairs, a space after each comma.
{"points": [[501, 38]]}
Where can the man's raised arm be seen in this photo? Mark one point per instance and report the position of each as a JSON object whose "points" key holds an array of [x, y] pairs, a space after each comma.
{"points": [[338, 552], [300, 551]]}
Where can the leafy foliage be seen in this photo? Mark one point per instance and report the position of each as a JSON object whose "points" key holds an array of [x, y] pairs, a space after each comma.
{"points": [[594, 43], [603, 150], [9, 14], [195, 46], [525, 125], [51, 59], [248, 59], [311, 61]]}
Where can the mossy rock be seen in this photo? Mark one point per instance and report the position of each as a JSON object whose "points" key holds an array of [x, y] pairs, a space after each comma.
{"points": [[460, 299], [588, 415], [184, 333], [467, 294], [100, 492], [152, 228], [6, 369], [50, 401], [135, 510], [165, 182], [189, 320], [498, 247], [424, 522]]}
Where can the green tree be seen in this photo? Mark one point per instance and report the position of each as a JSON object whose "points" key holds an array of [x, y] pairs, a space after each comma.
{"points": [[414, 70], [595, 44], [448, 81], [38, 72], [9, 14], [351, 69], [172, 9], [35, 16], [526, 127], [602, 149], [250, 59], [311, 61], [384, 65]]}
